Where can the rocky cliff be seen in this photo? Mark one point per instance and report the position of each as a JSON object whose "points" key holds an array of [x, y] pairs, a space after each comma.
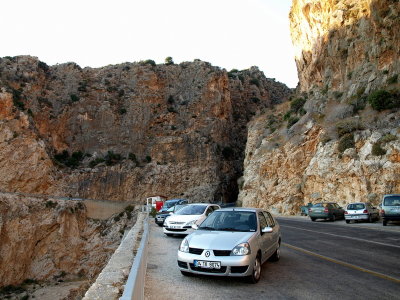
{"points": [[47, 239], [338, 138], [127, 131]]}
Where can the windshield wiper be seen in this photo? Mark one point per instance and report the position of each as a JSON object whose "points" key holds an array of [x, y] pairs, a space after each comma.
{"points": [[206, 228], [230, 229]]}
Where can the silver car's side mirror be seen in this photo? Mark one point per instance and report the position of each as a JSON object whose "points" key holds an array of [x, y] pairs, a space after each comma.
{"points": [[267, 230], [194, 226]]}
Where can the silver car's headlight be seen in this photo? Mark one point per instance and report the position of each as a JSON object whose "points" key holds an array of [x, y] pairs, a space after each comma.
{"points": [[184, 247], [190, 223], [241, 249]]}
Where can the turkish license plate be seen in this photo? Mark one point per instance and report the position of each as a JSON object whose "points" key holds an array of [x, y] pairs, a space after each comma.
{"points": [[207, 264], [174, 226]]}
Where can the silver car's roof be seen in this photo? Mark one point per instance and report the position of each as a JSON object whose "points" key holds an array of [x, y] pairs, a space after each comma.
{"points": [[253, 209]]}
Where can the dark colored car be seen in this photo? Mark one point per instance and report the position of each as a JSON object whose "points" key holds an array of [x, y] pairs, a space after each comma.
{"points": [[169, 203], [390, 208], [328, 211], [161, 216]]}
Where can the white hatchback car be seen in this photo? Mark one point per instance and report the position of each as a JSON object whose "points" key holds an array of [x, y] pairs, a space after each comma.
{"points": [[181, 222], [361, 211]]}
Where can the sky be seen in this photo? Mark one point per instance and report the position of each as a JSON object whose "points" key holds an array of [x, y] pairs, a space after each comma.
{"points": [[231, 34]]}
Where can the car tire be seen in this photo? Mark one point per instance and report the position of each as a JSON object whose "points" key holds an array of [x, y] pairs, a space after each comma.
{"points": [[384, 222], [277, 254], [347, 221], [256, 273], [369, 219], [313, 219], [333, 219]]}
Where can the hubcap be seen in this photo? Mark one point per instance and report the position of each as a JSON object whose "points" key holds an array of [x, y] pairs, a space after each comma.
{"points": [[257, 269]]}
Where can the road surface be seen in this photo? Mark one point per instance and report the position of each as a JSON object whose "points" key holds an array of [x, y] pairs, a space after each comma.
{"points": [[319, 260]]}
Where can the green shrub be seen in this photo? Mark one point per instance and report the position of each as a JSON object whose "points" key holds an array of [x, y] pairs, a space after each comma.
{"points": [[122, 111], [148, 158], [121, 92], [387, 138], [149, 62], [17, 99], [153, 212], [132, 157], [74, 98], [346, 142], [96, 161], [50, 204], [381, 100], [129, 208], [393, 79], [348, 126], [297, 104], [117, 218], [112, 158], [287, 115], [357, 103], [377, 150], [171, 99], [292, 121], [169, 61]]}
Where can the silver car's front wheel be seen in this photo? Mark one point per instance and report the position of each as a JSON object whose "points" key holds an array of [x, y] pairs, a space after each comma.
{"points": [[255, 276]]}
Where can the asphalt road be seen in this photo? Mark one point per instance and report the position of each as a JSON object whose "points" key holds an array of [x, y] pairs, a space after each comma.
{"points": [[319, 260]]}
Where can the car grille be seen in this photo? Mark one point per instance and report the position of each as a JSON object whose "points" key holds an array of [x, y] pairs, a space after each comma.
{"points": [[222, 270], [196, 251], [175, 229], [182, 264], [241, 269], [222, 252]]}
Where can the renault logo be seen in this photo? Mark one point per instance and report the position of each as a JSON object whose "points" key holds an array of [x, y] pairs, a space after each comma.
{"points": [[207, 254]]}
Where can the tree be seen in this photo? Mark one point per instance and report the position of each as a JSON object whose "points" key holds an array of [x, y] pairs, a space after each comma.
{"points": [[169, 61]]}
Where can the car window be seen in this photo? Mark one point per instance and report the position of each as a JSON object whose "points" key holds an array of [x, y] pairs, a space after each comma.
{"points": [[318, 205], [263, 221], [192, 210], [244, 221], [392, 201], [209, 210], [270, 219], [355, 206]]}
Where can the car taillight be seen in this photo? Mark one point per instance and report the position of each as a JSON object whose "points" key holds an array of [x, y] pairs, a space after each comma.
{"points": [[365, 211], [346, 213], [382, 211], [326, 210]]}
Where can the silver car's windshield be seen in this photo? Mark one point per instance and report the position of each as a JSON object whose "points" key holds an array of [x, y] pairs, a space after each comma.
{"points": [[192, 210], [392, 201], [244, 221]]}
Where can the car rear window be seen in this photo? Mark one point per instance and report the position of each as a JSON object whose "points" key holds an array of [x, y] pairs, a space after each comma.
{"points": [[356, 206], [392, 201], [320, 205]]}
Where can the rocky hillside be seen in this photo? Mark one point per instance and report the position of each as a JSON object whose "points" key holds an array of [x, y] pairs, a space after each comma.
{"points": [[51, 239], [338, 139], [127, 131]]}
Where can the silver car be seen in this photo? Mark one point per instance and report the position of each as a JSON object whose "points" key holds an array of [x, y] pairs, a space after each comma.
{"points": [[231, 242], [361, 211]]}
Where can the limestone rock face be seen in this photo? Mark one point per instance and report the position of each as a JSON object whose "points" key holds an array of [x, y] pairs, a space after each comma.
{"points": [[347, 44], [128, 131], [46, 239], [345, 50]]}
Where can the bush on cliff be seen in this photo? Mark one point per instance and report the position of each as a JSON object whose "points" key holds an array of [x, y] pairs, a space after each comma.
{"points": [[382, 99], [346, 142]]}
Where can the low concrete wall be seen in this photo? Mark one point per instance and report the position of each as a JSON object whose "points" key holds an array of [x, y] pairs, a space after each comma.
{"points": [[110, 282]]}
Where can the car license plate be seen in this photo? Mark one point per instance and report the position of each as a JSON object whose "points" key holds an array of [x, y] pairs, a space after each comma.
{"points": [[207, 264], [174, 227]]}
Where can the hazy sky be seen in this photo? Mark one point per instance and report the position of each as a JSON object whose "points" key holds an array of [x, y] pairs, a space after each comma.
{"points": [[227, 33]]}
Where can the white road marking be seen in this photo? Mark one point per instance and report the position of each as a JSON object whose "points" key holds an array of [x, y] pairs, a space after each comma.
{"points": [[342, 236]]}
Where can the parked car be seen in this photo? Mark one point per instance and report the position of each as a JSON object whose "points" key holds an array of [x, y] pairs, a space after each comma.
{"points": [[328, 211], [361, 211], [182, 221], [390, 208], [231, 242], [304, 209], [169, 203], [161, 216]]}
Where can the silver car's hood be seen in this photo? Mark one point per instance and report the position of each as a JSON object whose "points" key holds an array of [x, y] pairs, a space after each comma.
{"points": [[217, 240]]}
